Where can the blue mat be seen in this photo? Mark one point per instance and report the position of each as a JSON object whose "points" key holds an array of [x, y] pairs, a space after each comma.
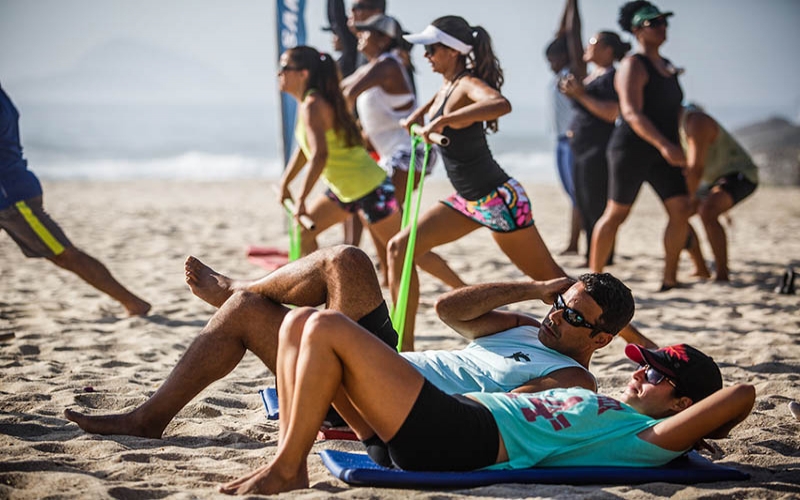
{"points": [[269, 397], [358, 469]]}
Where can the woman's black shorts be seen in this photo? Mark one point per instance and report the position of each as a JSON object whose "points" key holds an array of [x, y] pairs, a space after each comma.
{"points": [[631, 163], [445, 433]]}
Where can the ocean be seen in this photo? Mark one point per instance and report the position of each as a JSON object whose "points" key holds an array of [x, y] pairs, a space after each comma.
{"points": [[208, 142]]}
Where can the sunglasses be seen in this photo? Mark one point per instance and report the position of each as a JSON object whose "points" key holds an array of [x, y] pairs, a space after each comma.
{"points": [[655, 23], [572, 316], [654, 376], [431, 49], [361, 6], [284, 68]]}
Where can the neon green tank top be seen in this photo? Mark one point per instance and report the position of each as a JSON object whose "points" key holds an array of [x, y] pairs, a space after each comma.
{"points": [[349, 172], [725, 156]]}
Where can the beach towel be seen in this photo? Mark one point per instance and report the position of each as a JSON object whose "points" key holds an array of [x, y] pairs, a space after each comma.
{"points": [[269, 258], [358, 469]]}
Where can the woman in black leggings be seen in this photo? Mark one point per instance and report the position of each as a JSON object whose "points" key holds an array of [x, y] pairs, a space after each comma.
{"points": [[596, 108], [645, 146]]}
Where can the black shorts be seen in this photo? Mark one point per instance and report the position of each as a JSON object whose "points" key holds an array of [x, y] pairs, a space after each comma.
{"points": [[379, 323], [631, 163], [445, 433], [736, 185]]}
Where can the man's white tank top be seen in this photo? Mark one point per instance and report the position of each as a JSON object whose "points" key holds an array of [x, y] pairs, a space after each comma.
{"points": [[494, 363]]}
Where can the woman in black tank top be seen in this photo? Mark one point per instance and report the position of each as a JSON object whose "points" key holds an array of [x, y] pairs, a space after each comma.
{"points": [[645, 146], [596, 109], [468, 103]]}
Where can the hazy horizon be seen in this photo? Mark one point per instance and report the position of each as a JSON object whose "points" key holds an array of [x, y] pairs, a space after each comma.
{"points": [[111, 80]]}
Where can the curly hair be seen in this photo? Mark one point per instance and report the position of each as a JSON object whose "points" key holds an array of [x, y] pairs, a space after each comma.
{"points": [[627, 11], [613, 297]]}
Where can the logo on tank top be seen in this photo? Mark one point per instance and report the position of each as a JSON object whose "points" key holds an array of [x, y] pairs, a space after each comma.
{"points": [[519, 356]]}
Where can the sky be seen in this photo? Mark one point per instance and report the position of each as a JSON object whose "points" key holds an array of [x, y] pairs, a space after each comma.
{"points": [[737, 53]]}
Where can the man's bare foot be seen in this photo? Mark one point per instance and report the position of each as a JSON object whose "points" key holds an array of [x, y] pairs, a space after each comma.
{"points": [[206, 283], [112, 424], [137, 307], [701, 273], [266, 481]]}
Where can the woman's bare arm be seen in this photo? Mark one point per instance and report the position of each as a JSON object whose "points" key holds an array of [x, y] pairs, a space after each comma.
{"points": [[629, 82], [713, 417]]}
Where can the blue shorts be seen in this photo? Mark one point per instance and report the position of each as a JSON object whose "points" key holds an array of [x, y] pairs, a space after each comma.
{"points": [[375, 206], [565, 170]]}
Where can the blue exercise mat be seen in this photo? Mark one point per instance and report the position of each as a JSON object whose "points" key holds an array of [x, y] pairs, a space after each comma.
{"points": [[269, 397], [358, 469]]}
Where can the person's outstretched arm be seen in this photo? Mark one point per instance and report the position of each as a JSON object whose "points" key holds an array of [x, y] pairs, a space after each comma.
{"points": [[577, 66], [471, 310], [712, 417]]}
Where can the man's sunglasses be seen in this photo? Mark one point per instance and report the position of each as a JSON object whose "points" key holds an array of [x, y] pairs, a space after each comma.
{"points": [[361, 6], [656, 23], [572, 316], [654, 376]]}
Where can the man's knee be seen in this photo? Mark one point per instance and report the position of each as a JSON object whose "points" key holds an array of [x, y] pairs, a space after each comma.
{"points": [[68, 259], [349, 258]]}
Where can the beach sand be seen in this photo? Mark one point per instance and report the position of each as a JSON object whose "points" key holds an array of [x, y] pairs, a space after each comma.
{"points": [[74, 348]]}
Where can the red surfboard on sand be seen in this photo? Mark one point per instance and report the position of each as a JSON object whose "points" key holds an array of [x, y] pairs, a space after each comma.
{"points": [[269, 258]]}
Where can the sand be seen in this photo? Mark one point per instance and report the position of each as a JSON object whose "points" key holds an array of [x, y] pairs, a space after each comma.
{"points": [[74, 348]]}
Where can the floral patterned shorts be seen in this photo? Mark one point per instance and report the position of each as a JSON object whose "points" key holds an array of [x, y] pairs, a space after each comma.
{"points": [[504, 210]]}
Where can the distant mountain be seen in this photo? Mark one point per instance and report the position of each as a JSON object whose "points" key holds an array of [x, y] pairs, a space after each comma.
{"points": [[775, 147], [131, 71]]}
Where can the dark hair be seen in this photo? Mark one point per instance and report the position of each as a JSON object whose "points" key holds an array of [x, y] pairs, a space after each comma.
{"points": [[557, 48], [613, 40], [481, 61], [627, 11], [374, 4], [323, 76], [613, 297]]}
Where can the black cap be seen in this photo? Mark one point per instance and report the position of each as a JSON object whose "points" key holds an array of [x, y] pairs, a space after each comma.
{"points": [[695, 374]]}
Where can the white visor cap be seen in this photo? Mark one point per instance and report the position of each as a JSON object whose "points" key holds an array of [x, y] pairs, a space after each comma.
{"points": [[432, 34]]}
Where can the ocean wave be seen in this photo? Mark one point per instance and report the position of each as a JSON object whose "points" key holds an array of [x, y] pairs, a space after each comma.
{"points": [[189, 166]]}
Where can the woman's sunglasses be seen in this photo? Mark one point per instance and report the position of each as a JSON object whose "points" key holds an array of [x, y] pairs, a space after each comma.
{"points": [[655, 23], [654, 376], [431, 49], [572, 316]]}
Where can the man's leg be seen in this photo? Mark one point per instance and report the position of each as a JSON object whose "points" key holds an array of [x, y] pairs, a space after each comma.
{"points": [[93, 272], [341, 277], [246, 321]]}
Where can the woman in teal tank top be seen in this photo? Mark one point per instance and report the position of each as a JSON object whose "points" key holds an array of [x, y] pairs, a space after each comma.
{"points": [[671, 402]]}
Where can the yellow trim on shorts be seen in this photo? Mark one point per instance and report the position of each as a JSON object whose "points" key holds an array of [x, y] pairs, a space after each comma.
{"points": [[46, 236]]}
